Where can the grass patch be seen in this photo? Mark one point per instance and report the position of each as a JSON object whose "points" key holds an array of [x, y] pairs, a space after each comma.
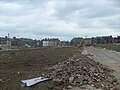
{"points": [[115, 47]]}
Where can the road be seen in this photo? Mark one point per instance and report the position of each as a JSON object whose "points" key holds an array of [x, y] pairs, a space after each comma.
{"points": [[106, 57]]}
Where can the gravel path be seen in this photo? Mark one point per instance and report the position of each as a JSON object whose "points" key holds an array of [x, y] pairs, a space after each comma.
{"points": [[106, 57]]}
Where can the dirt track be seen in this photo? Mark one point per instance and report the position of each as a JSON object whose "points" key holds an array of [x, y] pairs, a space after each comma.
{"points": [[106, 57]]}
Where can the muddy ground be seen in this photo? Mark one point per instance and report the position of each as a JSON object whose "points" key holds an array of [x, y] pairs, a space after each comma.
{"points": [[17, 65]]}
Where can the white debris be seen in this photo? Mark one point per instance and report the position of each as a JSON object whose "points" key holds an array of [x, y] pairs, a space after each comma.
{"points": [[33, 81], [1, 80]]}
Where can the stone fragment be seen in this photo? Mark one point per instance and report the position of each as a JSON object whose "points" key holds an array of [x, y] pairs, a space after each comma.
{"points": [[80, 70], [71, 79]]}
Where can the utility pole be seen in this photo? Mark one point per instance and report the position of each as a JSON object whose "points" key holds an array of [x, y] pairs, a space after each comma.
{"points": [[8, 42]]}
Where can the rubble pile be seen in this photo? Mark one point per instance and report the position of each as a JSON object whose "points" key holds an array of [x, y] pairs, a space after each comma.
{"points": [[80, 70]]}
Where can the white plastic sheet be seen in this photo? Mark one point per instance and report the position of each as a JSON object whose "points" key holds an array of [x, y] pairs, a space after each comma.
{"points": [[33, 81]]}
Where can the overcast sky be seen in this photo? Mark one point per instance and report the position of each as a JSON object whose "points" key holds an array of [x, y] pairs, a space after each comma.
{"points": [[62, 19]]}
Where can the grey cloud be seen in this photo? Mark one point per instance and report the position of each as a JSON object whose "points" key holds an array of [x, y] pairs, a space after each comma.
{"points": [[20, 7], [113, 25], [117, 3], [66, 8], [65, 18], [87, 9]]}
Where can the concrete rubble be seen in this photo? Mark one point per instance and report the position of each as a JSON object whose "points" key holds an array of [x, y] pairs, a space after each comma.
{"points": [[80, 70]]}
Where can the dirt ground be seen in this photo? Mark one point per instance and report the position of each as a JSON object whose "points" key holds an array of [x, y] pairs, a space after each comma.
{"points": [[17, 65]]}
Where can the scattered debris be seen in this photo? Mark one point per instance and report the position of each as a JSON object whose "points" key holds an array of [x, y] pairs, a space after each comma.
{"points": [[69, 87], [104, 48], [31, 82], [18, 73], [1, 80], [80, 70]]}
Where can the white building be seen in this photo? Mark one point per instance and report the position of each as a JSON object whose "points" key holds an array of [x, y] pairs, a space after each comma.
{"points": [[50, 42]]}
